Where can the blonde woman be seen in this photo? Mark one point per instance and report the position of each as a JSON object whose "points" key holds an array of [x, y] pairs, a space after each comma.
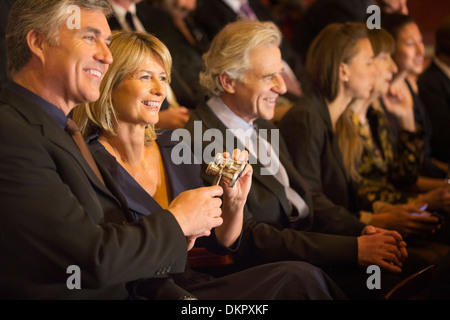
{"points": [[119, 127]]}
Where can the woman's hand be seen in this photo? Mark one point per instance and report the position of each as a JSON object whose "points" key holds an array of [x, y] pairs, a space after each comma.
{"points": [[399, 103], [234, 199]]}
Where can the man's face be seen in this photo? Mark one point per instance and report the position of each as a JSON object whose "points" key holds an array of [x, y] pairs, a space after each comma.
{"points": [[76, 66], [394, 6], [256, 96]]}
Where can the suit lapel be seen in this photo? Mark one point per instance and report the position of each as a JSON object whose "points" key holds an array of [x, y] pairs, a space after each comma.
{"points": [[325, 115], [210, 120], [50, 129]]}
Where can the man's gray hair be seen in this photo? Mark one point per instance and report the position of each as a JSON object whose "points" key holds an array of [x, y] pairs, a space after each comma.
{"points": [[45, 16], [229, 51]]}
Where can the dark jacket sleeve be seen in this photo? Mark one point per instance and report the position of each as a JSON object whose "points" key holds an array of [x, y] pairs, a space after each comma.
{"points": [[55, 218], [263, 242], [268, 236]]}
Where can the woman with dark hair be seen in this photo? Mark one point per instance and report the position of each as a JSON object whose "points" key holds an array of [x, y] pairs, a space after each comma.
{"points": [[317, 131], [409, 56], [328, 154]]}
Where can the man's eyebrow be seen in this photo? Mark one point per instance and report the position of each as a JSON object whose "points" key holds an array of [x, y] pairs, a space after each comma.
{"points": [[90, 30], [271, 74], [96, 31]]}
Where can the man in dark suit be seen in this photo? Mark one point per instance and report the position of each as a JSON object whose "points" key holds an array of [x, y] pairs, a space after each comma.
{"points": [[282, 219], [58, 217], [434, 90]]}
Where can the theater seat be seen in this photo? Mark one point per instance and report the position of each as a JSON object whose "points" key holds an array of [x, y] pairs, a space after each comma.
{"points": [[201, 258], [415, 287]]}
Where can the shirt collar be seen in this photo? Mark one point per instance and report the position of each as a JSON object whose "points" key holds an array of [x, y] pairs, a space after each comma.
{"points": [[226, 115], [53, 111], [441, 65], [121, 11], [235, 5]]}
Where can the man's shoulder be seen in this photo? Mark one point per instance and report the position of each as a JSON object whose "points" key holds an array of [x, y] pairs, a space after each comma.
{"points": [[9, 116]]}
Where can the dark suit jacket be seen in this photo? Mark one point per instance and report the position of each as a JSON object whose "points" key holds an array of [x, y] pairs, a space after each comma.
{"points": [[213, 15], [268, 234], [308, 133], [434, 90], [321, 13], [55, 213]]}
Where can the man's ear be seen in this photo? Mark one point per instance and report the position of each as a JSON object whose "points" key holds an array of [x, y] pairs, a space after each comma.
{"points": [[226, 82], [37, 44]]}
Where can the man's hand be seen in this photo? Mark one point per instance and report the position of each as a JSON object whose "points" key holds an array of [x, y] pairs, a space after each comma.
{"points": [[198, 210], [384, 248]]}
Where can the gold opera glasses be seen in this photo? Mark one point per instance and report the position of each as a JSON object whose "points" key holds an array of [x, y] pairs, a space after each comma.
{"points": [[226, 168]]}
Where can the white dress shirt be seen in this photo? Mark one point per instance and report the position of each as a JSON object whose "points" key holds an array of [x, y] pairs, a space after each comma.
{"points": [[120, 15], [258, 148]]}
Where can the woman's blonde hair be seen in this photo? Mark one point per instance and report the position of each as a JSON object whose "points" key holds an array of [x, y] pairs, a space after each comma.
{"points": [[128, 49], [350, 144], [229, 51]]}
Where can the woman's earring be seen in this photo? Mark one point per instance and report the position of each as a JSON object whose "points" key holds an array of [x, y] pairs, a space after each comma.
{"points": [[346, 79]]}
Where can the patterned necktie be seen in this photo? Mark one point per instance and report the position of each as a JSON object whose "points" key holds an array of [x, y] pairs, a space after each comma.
{"points": [[73, 129], [295, 200], [129, 18]]}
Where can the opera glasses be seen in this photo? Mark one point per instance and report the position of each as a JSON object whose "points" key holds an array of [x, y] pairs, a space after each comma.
{"points": [[226, 168]]}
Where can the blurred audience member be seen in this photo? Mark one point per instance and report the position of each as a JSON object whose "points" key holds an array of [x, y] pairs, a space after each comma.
{"points": [[321, 127], [127, 16], [171, 22], [403, 93], [323, 12], [5, 6], [434, 90]]}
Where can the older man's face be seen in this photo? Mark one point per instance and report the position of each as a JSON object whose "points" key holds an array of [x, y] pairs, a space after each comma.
{"points": [[256, 96], [77, 65]]}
